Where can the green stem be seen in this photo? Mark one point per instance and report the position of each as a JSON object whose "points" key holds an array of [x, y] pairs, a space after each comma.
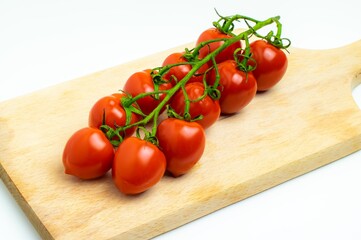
{"points": [[186, 114], [155, 124], [128, 101], [218, 77], [247, 53], [163, 70], [205, 43], [279, 28]]}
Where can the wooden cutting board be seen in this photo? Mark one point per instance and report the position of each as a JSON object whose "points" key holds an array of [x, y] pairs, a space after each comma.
{"points": [[310, 119]]}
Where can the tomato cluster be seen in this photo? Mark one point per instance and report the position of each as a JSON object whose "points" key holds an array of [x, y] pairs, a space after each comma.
{"points": [[195, 87]]}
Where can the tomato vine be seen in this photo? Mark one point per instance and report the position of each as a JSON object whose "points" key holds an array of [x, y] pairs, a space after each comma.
{"points": [[225, 25]]}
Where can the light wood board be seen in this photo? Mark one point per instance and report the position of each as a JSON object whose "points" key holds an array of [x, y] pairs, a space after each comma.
{"points": [[308, 120]]}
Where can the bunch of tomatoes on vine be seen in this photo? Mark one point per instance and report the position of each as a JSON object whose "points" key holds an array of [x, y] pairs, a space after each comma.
{"points": [[192, 88]]}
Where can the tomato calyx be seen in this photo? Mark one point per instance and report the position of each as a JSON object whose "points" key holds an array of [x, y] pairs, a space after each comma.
{"points": [[130, 106], [280, 43], [276, 40], [157, 81], [189, 56], [213, 92], [245, 61], [113, 135], [186, 116], [147, 135]]}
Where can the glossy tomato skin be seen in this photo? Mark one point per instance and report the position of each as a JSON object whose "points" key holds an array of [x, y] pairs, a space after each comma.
{"points": [[88, 154], [114, 113], [182, 143], [237, 88], [142, 82], [138, 165], [213, 33], [179, 72], [207, 107], [271, 64]]}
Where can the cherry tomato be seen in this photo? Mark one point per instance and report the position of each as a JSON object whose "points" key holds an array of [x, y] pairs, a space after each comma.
{"points": [[237, 88], [142, 82], [207, 107], [88, 154], [179, 72], [182, 143], [271, 64], [214, 33], [114, 113], [138, 165]]}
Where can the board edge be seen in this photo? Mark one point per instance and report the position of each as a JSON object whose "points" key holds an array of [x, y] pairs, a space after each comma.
{"points": [[26, 208]]}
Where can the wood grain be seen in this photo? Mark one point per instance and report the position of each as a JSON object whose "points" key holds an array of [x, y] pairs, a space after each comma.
{"points": [[310, 119]]}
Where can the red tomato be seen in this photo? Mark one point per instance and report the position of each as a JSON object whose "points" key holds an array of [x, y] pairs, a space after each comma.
{"points": [[114, 113], [207, 107], [179, 72], [237, 88], [213, 33], [138, 165], [182, 144], [142, 82], [88, 154], [271, 64]]}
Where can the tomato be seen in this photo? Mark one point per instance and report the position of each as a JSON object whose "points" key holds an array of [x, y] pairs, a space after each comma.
{"points": [[271, 64], [207, 107], [237, 88], [179, 72], [214, 33], [182, 143], [88, 154], [142, 82], [138, 165], [115, 115]]}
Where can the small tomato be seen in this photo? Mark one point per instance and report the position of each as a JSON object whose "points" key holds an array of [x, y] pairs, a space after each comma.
{"points": [[237, 87], [138, 165], [207, 107], [214, 33], [180, 71], [110, 108], [88, 154], [271, 64], [182, 143], [142, 82]]}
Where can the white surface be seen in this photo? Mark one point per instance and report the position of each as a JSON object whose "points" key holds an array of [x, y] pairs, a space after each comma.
{"points": [[46, 42]]}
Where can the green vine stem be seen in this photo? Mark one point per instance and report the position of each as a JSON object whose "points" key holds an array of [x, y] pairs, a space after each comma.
{"points": [[196, 65], [195, 51], [186, 115], [243, 59]]}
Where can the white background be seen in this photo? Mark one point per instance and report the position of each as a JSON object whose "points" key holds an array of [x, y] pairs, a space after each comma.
{"points": [[46, 42]]}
